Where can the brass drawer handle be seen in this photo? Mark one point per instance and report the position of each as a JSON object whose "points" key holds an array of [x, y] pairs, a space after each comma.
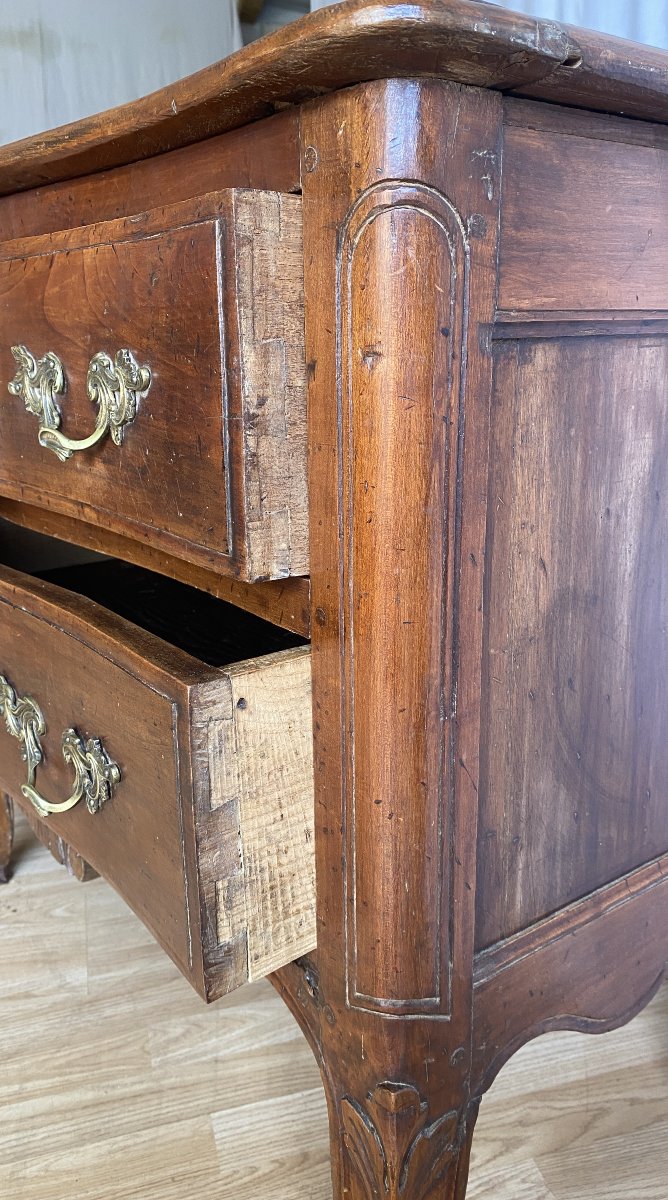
{"points": [[112, 384], [96, 776]]}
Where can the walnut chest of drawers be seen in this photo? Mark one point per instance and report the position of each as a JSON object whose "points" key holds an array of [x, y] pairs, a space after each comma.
{"points": [[350, 355]]}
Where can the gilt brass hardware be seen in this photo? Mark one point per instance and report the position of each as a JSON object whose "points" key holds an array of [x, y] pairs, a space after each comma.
{"points": [[112, 384], [25, 722], [95, 774]]}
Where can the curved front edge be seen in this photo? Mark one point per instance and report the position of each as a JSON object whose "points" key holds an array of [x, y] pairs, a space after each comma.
{"points": [[591, 967], [401, 199]]}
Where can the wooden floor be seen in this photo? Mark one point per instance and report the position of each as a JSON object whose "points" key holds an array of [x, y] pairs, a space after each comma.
{"points": [[118, 1082]]}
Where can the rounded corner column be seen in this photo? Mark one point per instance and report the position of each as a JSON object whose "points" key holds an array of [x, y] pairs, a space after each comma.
{"points": [[401, 183]]}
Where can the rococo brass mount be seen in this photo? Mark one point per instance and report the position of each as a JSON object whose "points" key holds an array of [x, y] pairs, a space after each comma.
{"points": [[96, 776], [112, 384]]}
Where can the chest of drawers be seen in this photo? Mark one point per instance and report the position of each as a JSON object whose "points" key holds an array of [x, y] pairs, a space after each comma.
{"points": [[398, 275]]}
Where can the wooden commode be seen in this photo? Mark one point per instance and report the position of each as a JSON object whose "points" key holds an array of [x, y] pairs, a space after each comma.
{"points": [[349, 356]]}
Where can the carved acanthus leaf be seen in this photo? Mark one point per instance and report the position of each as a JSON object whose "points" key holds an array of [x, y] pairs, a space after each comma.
{"points": [[396, 1152], [430, 1157], [365, 1149]]}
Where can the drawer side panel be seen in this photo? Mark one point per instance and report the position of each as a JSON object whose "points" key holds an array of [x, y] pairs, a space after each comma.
{"points": [[584, 222], [255, 820], [574, 764]]}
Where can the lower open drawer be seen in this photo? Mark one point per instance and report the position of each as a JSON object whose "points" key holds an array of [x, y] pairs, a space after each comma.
{"points": [[189, 783]]}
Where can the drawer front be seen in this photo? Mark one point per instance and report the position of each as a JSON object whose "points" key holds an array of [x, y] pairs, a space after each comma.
{"points": [[188, 787], [152, 379]]}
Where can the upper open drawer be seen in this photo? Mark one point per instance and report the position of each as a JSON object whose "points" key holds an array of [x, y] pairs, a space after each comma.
{"points": [[152, 379]]}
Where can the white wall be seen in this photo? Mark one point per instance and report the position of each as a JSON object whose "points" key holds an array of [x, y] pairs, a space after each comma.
{"points": [[64, 59], [639, 20]]}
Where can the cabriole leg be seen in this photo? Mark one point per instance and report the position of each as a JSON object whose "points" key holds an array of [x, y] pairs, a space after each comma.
{"points": [[6, 837], [389, 1146]]}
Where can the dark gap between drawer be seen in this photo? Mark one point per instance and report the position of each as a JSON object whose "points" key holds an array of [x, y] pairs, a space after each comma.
{"points": [[211, 630]]}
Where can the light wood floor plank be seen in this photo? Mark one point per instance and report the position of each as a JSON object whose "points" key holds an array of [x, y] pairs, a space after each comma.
{"points": [[118, 1082]]}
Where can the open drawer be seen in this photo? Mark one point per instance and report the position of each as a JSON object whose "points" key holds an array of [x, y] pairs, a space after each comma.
{"points": [[187, 784], [153, 380]]}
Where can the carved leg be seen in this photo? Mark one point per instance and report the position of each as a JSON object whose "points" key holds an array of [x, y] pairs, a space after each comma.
{"points": [[392, 1149], [6, 837], [63, 853], [395, 1141]]}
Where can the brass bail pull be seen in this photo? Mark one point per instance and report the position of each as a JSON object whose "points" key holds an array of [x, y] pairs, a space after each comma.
{"points": [[95, 774], [113, 385]]}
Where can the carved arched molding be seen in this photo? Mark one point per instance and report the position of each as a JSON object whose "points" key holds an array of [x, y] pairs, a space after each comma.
{"points": [[403, 278]]}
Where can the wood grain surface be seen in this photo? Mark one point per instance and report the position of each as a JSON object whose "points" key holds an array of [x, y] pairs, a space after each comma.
{"points": [[579, 122], [488, 596], [227, 1100], [84, 680], [391, 471], [262, 756], [592, 211], [262, 156], [575, 761], [266, 369]]}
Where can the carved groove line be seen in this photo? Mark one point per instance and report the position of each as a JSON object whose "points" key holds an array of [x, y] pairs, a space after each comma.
{"points": [[424, 203]]}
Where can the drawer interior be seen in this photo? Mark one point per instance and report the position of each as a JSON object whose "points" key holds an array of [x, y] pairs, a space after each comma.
{"points": [[215, 632]]}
